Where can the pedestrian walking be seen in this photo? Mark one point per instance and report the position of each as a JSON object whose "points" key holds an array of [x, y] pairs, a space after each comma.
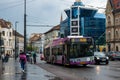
{"points": [[31, 60], [6, 57], [3, 61], [3, 57], [34, 57], [22, 59]]}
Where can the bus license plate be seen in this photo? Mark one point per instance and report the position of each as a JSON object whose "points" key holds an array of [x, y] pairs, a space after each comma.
{"points": [[82, 62]]}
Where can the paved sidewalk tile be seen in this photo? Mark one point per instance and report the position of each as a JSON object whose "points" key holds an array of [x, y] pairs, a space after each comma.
{"points": [[11, 70], [33, 72]]}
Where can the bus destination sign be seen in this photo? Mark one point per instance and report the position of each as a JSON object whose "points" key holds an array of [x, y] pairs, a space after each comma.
{"points": [[79, 40]]}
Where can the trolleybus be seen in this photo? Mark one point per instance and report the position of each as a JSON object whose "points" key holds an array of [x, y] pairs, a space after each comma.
{"points": [[72, 50]]}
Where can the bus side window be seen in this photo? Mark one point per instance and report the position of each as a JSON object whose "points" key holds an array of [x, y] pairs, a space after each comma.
{"points": [[60, 51], [56, 51], [63, 49], [53, 51]]}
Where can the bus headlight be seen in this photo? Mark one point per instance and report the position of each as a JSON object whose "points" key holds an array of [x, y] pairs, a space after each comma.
{"points": [[97, 57], [107, 57], [88, 59]]}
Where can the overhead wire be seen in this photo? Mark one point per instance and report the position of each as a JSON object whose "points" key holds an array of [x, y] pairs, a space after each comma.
{"points": [[65, 2], [41, 25], [9, 2], [19, 4], [14, 5]]}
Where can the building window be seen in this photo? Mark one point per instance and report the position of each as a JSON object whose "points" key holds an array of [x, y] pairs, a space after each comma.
{"points": [[10, 34], [109, 35], [74, 23], [74, 12], [109, 20], [75, 30], [109, 47], [7, 43], [116, 21], [7, 34], [117, 48], [117, 35], [118, 4], [3, 32]]}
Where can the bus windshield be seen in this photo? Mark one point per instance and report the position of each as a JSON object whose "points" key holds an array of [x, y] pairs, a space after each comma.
{"points": [[79, 50]]}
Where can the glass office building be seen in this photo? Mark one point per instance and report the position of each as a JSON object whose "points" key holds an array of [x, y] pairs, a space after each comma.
{"points": [[83, 21]]}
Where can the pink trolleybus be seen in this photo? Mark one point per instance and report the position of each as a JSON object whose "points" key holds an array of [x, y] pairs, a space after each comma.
{"points": [[72, 50]]}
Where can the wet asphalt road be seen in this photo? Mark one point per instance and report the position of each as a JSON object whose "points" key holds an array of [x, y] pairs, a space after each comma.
{"points": [[44, 71], [91, 72]]}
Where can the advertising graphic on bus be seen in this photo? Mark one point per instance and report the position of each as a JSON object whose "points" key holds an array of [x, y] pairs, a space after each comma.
{"points": [[72, 50]]}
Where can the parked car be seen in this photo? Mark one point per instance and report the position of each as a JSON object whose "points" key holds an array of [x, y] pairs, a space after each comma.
{"points": [[114, 55], [100, 57]]}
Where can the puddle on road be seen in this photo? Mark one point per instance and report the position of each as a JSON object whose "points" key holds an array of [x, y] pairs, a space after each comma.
{"points": [[24, 76], [53, 77]]}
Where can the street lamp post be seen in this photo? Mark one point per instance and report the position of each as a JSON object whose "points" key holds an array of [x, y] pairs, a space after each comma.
{"points": [[16, 39], [25, 26], [0, 44]]}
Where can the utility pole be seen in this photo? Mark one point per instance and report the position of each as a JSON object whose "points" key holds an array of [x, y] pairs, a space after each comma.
{"points": [[0, 44], [16, 40], [25, 26]]}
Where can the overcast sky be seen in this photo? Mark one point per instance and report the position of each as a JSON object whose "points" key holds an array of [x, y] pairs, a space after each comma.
{"points": [[39, 12]]}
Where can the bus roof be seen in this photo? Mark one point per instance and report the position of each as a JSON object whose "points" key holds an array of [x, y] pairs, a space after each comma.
{"points": [[55, 42], [62, 41], [59, 41]]}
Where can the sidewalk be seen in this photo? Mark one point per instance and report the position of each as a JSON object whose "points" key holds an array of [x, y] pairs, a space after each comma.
{"points": [[33, 72]]}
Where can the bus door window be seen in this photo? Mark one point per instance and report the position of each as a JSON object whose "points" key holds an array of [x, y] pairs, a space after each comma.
{"points": [[81, 53], [60, 51], [73, 50], [54, 51], [47, 51], [63, 50], [68, 50]]}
